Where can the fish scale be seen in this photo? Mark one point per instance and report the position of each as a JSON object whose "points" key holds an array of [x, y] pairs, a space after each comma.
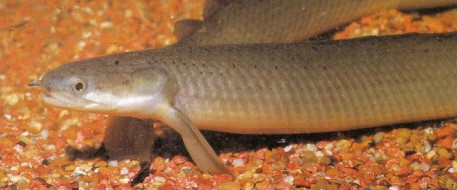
{"points": [[372, 85]]}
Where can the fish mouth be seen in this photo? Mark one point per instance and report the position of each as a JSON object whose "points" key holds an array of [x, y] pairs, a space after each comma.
{"points": [[48, 98], [68, 102], [56, 99]]}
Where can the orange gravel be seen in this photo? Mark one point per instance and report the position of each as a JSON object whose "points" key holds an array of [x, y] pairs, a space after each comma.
{"points": [[36, 36]]}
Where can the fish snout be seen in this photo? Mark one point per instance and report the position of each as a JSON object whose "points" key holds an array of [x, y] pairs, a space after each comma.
{"points": [[46, 88], [39, 83]]}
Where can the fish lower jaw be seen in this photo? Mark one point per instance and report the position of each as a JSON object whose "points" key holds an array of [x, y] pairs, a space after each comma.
{"points": [[72, 104], [49, 99]]}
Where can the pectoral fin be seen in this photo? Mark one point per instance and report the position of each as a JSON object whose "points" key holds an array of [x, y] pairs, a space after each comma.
{"points": [[184, 28], [212, 6], [161, 88], [197, 146], [129, 138]]}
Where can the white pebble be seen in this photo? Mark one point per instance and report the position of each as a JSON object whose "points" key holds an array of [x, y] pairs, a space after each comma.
{"points": [[393, 188], [124, 171], [428, 131], [106, 25], [454, 164], [7, 116], [289, 179], [319, 154], [378, 137], [14, 178], [159, 179], [44, 134], [51, 147], [112, 163], [12, 99], [124, 180], [19, 148], [238, 162], [36, 125], [427, 146], [25, 134], [425, 167], [288, 148], [86, 34], [281, 141], [81, 44], [329, 146], [53, 157], [78, 172], [311, 147]]}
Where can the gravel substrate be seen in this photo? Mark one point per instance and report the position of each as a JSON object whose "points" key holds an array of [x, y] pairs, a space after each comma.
{"points": [[36, 36]]}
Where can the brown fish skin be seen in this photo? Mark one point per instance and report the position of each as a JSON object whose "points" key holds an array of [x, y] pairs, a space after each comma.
{"points": [[117, 141], [272, 21], [267, 88], [422, 4]]}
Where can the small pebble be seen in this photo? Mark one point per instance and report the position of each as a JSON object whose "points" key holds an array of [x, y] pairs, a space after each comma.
{"points": [[124, 171], [288, 148], [238, 162], [44, 134], [289, 179], [427, 146], [430, 154], [393, 188], [311, 147], [228, 186], [113, 163], [106, 25], [78, 171], [159, 179]]}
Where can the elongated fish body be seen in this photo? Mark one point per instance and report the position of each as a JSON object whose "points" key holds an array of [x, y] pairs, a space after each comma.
{"points": [[266, 88], [290, 88], [296, 88], [271, 21]]}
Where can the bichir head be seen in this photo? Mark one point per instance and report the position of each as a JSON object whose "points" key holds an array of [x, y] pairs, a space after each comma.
{"points": [[105, 85]]}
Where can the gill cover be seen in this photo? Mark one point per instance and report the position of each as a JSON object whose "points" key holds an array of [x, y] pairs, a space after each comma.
{"points": [[151, 90]]}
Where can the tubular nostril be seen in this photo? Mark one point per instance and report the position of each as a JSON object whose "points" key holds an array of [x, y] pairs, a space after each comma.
{"points": [[35, 83]]}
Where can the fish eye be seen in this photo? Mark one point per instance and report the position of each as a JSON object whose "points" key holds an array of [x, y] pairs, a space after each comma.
{"points": [[78, 85]]}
